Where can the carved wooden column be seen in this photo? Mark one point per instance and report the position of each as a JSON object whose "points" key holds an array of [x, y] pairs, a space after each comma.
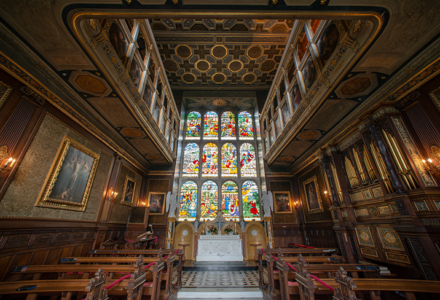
{"points": [[269, 232], [324, 161], [171, 223], [378, 141]]}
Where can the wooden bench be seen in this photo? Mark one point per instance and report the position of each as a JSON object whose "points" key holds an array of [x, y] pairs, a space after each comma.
{"points": [[343, 287], [113, 244], [133, 286], [167, 274], [297, 251]]}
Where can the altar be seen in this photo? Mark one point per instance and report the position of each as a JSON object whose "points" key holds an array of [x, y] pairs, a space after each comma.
{"points": [[219, 248]]}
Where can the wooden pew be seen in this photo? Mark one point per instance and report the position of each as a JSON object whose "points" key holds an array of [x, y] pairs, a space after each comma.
{"points": [[167, 275], [113, 244], [132, 287], [345, 287], [297, 251]]}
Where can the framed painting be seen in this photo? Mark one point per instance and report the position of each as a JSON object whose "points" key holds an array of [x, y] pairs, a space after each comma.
{"points": [[313, 197], [128, 191], [282, 202], [70, 178], [157, 203]]}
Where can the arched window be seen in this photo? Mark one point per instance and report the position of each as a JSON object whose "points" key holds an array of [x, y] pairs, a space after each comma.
{"points": [[188, 201], [210, 127], [228, 126], [251, 201], [230, 201], [209, 200], [193, 128], [245, 126], [229, 160], [210, 160], [191, 161], [248, 162]]}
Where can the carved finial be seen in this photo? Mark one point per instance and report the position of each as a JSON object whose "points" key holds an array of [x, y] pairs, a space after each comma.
{"points": [[346, 289], [95, 289]]}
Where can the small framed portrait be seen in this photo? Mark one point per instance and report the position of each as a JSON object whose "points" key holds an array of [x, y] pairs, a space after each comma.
{"points": [[282, 202], [128, 191], [309, 73], [70, 179], [118, 40], [313, 196], [157, 203]]}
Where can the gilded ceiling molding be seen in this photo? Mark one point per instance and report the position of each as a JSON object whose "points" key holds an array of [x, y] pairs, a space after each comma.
{"points": [[16, 71]]}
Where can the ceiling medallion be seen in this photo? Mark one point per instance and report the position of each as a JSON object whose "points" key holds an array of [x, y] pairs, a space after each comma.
{"points": [[188, 77], [203, 65], [255, 51], [267, 65], [219, 77], [235, 65], [184, 51], [249, 78], [219, 51], [308, 135], [170, 65]]}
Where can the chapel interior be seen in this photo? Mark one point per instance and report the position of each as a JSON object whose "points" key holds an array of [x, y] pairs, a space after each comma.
{"points": [[218, 149]]}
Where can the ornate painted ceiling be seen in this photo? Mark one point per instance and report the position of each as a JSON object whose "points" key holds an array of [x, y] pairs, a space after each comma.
{"points": [[41, 43], [205, 53]]}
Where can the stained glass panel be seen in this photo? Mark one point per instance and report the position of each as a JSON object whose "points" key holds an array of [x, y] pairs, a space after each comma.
{"points": [[251, 201], [188, 201], [245, 126], [191, 161], [210, 160], [210, 128], [248, 163], [209, 200], [228, 126], [230, 201], [193, 126], [229, 160]]}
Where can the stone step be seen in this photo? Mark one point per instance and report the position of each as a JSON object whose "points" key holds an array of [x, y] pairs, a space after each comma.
{"points": [[220, 266], [220, 293]]}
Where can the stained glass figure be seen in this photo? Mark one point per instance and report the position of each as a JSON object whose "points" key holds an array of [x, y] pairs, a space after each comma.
{"points": [[245, 126], [191, 161], [210, 160], [193, 126], [251, 201], [229, 160], [209, 200], [230, 202], [248, 163], [188, 201], [228, 126], [210, 128]]}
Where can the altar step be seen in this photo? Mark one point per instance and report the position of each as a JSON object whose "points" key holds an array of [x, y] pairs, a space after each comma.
{"points": [[220, 293], [220, 266]]}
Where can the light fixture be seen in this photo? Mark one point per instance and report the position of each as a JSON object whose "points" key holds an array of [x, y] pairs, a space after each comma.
{"points": [[7, 166], [430, 167], [325, 192], [112, 195]]}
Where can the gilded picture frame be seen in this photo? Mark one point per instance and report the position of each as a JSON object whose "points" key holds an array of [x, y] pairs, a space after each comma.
{"points": [[70, 179], [282, 202], [128, 192], [312, 195], [390, 239], [156, 202], [364, 237]]}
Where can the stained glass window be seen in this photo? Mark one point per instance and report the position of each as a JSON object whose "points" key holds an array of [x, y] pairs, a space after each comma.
{"points": [[193, 126], [229, 160], [191, 161], [228, 126], [245, 126], [251, 201], [248, 163], [210, 160], [209, 200], [230, 202], [210, 128], [188, 201]]}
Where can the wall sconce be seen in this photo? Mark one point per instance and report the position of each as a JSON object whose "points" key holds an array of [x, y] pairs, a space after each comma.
{"points": [[430, 167], [112, 196], [325, 192], [7, 166]]}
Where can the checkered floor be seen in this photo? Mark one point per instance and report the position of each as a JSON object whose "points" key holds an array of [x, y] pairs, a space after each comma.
{"points": [[219, 278]]}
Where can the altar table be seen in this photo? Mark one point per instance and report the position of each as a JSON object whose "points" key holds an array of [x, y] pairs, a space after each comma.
{"points": [[219, 248]]}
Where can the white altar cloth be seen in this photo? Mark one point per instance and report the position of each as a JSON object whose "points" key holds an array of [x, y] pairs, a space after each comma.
{"points": [[219, 248]]}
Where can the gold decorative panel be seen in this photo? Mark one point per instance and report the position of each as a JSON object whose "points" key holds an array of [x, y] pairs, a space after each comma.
{"points": [[398, 257], [364, 236], [390, 238]]}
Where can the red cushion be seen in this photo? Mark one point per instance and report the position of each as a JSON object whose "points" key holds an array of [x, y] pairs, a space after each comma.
{"points": [[291, 283], [148, 284], [276, 271]]}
